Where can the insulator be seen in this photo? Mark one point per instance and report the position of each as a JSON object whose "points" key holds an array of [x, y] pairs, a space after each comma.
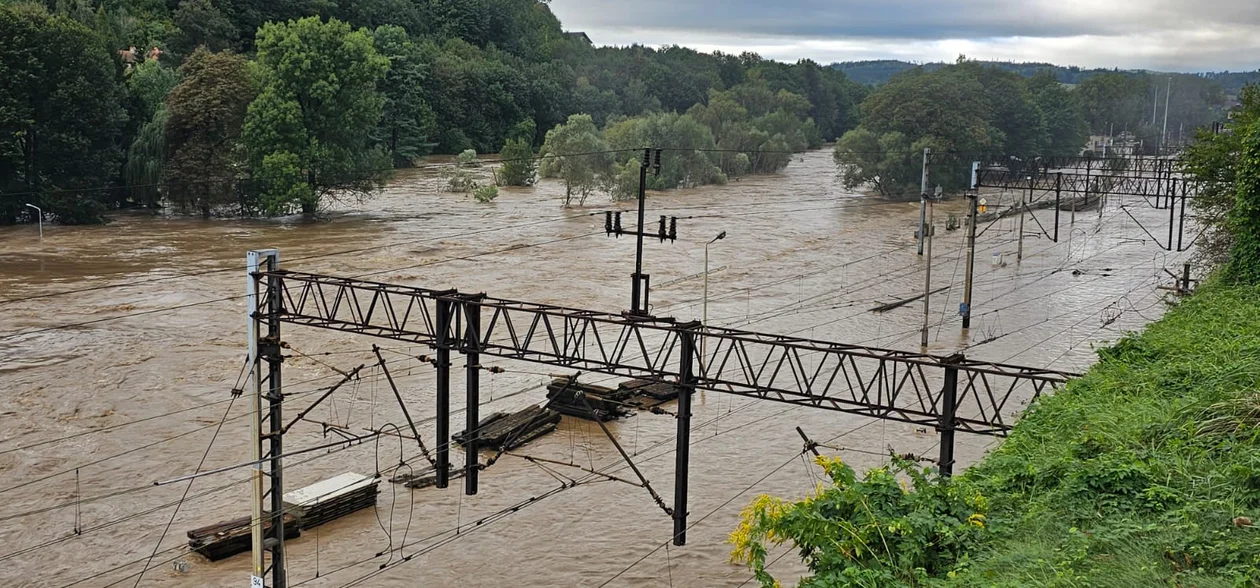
{"points": [[661, 233], [673, 229], [617, 222], [657, 165], [647, 157], [608, 226]]}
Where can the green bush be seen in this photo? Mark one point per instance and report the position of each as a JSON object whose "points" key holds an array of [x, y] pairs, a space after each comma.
{"points": [[486, 193], [868, 532]]}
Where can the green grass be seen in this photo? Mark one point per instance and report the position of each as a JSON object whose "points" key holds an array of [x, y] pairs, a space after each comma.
{"points": [[1137, 474]]}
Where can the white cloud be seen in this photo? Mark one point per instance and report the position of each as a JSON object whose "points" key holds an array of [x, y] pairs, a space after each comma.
{"points": [[1177, 35]]}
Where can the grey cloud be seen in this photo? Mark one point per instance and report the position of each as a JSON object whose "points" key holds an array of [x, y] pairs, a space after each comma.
{"points": [[1175, 34]]}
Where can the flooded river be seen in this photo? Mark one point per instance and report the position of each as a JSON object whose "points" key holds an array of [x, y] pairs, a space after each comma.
{"points": [[802, 257]]}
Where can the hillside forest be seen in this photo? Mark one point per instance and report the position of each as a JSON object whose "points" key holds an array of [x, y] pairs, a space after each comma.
{"points": [[263, 108]]}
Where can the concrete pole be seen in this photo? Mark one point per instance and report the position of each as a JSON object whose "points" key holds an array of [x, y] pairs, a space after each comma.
{"points": [[1019, 255], [927, 274], [923, 198]]}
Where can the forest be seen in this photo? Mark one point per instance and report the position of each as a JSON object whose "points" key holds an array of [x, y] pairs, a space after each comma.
{"points": [[254, 107], [265, 108], [969, 109]]}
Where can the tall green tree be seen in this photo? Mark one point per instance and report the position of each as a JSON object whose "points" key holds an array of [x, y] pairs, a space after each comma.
{"points": [[205, 118], [1214, 159], [407, 121], [519, 168], [61, 116], [1066, 129], [201, 24], [576, 153], [308, 132]]}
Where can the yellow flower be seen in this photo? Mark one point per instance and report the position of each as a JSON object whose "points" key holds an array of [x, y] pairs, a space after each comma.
{"points": [[976, 520]]}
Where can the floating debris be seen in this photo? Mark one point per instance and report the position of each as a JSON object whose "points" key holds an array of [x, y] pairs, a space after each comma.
{"points": [[332, 499], [425, 478], [225, 539], [658, 391], [507, 431], [586, 401]]}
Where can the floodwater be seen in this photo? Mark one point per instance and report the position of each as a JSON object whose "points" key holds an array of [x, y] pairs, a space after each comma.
{"points": [[802, 257]]}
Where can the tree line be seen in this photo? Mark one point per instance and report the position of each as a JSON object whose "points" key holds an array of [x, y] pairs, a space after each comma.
{"points": [[968, 109], [253, 107]]}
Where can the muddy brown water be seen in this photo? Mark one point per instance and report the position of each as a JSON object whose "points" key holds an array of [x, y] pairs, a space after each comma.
{"points": [[803, 257]]}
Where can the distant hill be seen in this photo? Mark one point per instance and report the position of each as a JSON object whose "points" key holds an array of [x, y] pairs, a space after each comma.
{"points": [[874, 73], [878, 72]]}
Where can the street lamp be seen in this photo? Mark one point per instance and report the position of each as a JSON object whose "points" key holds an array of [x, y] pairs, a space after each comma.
{"points": [[41, 221], [705, 312]]}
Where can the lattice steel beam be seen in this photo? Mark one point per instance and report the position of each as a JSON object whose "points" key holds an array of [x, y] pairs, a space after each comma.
{"points": [[878, 383]]}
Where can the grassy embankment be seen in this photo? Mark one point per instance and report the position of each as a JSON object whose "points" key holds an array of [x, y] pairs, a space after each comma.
{"points": [[1145, 472]]}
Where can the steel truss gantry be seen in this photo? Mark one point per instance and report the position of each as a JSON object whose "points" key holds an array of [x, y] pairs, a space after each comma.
{"points": [[946, 393], [1157, 180]]}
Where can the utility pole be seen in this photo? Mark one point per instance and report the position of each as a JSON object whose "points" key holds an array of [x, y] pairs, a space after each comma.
{"points": [[640, 285], [971, 258], [1163, 141], [1023, 206], [923, 198], [266, 428], [927, 274], [704, 314]]}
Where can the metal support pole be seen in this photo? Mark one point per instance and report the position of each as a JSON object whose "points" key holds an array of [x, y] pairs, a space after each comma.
{"points": [[686, 388], [927, 273], [1058, 203], [923, 187], [1185, 278], [971, 260], [1181, 229], [1023, 206], [443, 450], [472, 347], [271, 351], [1172, 212], [636, 288], [40, 215], [257, 262], [949, 408]]}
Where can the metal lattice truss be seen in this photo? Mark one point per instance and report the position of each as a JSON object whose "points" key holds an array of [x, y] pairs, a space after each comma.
{"points": [[878, 383], [1083, 182]]}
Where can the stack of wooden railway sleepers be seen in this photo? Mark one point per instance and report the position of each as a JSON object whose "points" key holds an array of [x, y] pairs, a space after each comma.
{"points": [[425, 478], [228, 538], [605, 404], [657, 391], [507, 431], [332, 499]]}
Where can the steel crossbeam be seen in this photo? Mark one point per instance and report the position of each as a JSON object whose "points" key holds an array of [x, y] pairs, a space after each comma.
{"points": [[1082, 182], [879, 383]]}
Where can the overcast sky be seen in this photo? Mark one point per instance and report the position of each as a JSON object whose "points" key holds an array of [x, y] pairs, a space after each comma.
{"points": [[1175, 35]]}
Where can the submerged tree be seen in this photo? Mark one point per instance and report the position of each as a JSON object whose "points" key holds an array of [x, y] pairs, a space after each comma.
{"points": [[519, 168], [206, 115], [308, 132], [61, 116], [576, 153]]}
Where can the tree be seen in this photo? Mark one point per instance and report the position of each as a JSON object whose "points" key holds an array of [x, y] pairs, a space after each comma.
{"points": [[407, 121], [1214, 159], [61, 116], [308, 132], [149, 83], [201, 24], [946, 105], [1065, 125], [890, 163], [519, 166], [576, 153], [206, 116]]}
